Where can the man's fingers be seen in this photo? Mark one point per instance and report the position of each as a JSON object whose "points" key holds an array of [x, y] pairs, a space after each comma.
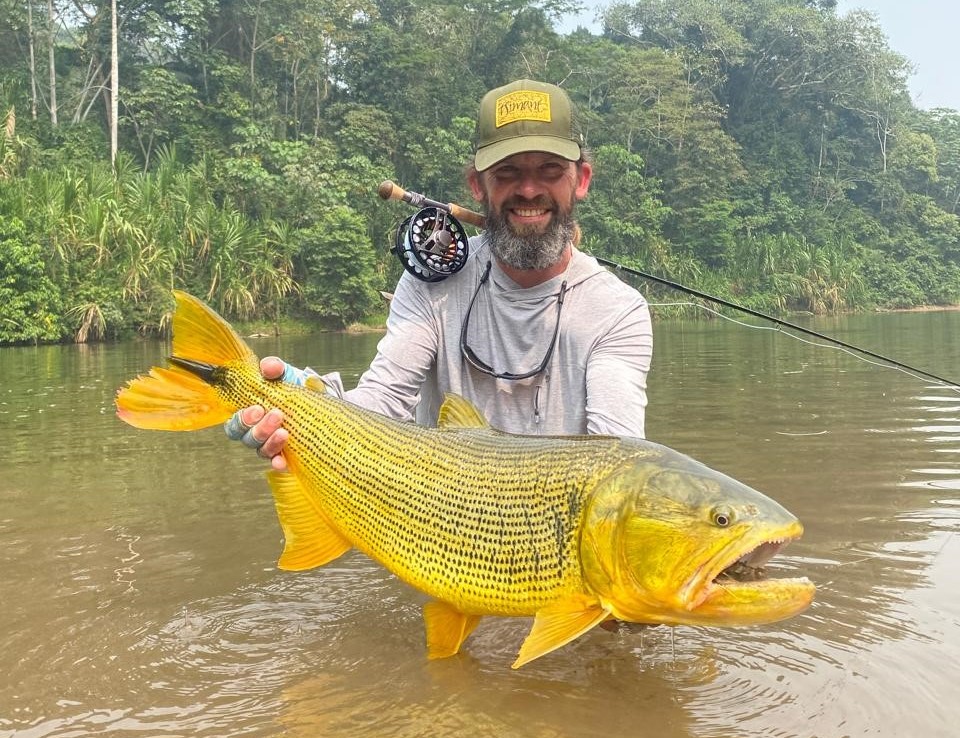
{"points": [[279, 463], [261, 431], [272, 367], [252, 415], [274, 443], [242, 421]]}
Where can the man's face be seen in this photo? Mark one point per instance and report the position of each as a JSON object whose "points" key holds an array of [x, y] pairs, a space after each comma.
{"points": [[529, 202]]}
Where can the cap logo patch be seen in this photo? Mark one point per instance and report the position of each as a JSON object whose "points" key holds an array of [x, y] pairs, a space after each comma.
{"points": [[523, 105]]}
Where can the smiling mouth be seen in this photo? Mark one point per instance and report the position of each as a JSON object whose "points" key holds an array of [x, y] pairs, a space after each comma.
{"points": [[530, 212]]}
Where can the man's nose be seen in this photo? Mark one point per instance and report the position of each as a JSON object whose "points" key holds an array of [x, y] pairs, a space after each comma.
{"points": [[530, 186]]}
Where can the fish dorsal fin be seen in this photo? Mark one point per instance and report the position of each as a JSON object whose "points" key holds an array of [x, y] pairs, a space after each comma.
{"points": [[447, 628], [457, 412], [309, 538], [558, 624]]}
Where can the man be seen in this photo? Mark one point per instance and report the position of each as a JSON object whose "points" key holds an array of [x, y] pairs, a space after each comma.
{"points": [[532, 331]]}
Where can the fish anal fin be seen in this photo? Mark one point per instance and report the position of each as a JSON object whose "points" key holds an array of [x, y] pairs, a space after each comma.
{"points": [[457, 412], [309, 538], [447, 628], [558, 624]]}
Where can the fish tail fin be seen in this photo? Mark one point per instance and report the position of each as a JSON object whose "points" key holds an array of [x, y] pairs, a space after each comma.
{"points": [[184, 396]]}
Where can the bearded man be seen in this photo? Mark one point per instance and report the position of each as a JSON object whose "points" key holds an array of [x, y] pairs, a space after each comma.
{"points": [[531, 330]]}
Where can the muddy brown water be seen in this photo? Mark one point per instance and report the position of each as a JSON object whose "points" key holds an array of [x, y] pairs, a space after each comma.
{"points": [[139, 593]]}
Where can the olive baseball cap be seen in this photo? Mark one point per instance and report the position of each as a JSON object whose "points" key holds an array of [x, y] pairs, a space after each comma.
{"points": [[525, 116]]}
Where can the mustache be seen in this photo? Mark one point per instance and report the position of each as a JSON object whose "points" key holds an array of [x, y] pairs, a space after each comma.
{"points": [[540, 201]]}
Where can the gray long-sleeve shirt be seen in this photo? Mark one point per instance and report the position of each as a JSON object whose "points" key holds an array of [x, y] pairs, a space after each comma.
{"points": [[595, 381]]}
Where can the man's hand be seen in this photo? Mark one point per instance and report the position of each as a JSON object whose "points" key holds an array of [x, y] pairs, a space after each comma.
{"points": [[259, 429]]}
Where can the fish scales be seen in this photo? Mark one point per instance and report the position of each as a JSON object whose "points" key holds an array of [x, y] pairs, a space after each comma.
{"points": [[487, 527]]}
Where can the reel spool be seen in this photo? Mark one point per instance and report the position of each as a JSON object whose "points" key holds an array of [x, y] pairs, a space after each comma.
{"points": [[431, 245]]}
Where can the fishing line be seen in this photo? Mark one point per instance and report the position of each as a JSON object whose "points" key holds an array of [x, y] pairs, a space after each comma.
{"points": [[779, 324], [886, 364]]}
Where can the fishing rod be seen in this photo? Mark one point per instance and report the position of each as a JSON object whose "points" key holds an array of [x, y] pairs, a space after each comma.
{"points": [[390, 191]]}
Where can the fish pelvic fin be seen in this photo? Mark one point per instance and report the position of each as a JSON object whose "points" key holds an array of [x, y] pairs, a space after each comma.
{"points": [[560, 623], [181, 397], [310, 540], [447, 628], [458, 412]]}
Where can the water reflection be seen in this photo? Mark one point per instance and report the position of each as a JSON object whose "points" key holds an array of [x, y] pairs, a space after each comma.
{"points": [[863, 457], [140, 594]]}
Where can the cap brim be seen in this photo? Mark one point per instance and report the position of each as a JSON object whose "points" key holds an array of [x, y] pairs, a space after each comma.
{"points": [[487, 156]]}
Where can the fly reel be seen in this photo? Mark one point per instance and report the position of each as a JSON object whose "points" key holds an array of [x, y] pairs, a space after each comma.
{"points": [[431, 245]]}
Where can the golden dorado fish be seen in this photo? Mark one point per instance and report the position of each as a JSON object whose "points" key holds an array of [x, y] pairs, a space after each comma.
{"points": [[571, 530]]}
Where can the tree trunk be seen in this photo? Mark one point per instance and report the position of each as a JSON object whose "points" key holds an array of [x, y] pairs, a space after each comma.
{"points": [[52, 60], [33, 63], [114, 83], [253, 57]]}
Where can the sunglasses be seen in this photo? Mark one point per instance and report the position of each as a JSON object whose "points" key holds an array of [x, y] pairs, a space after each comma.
{"points": [[479, 364]]}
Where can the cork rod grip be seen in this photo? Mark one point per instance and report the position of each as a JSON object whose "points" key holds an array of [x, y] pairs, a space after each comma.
{"points": [[391, 191]]}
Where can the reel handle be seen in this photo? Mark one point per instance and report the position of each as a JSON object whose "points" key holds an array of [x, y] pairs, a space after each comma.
{"points": [[390, 191]]}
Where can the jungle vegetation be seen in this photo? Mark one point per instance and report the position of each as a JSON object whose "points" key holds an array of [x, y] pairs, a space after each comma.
{"points": [[766, 151]]}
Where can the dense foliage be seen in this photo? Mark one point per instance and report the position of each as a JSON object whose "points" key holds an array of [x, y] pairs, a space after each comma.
{"points": [[763, 150]]}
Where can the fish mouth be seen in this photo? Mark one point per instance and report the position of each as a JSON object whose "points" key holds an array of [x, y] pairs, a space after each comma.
{"points": [[751, 567], [741, 590]]}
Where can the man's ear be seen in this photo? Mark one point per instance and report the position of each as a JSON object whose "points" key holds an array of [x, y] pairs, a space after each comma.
{"points": [[584, 175], [476, 185]]}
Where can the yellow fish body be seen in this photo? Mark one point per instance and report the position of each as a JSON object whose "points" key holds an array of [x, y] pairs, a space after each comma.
{"points": [[572, 530]]}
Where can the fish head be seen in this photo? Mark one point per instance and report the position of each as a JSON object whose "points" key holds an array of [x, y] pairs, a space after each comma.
{"points": [[666, 539]]}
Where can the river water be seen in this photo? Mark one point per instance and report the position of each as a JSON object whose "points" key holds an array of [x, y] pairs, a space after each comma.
{"points": [[139, 593]]}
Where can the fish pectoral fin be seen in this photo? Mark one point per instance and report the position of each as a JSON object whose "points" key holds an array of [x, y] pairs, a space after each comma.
{"points": [[309, 538], [559, 624], [316, 385], [457, 412], [447, 628]]}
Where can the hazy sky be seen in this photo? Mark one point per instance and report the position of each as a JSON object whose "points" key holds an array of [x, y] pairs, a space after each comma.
{"points": [[924, 31]]}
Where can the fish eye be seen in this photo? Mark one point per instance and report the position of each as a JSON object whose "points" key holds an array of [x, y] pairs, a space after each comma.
{"points": [[722, 517]]}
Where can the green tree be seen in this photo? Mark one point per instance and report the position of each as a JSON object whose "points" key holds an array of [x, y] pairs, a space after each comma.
{"points": [[338, 260], [30, 307], [624, 202]]}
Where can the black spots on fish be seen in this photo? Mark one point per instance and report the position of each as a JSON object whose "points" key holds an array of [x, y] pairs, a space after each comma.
{"points": [[448, 513], [220, 375]]}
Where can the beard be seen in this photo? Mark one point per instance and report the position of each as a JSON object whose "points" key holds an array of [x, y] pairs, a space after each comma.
{"points": [[529, 248]]}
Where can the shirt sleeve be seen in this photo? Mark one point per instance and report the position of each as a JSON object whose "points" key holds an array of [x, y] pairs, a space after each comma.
{"points": [[616, 376], [391, 386]]}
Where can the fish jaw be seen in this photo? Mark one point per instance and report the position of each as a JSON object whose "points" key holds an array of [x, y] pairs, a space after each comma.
{"points": [[729, 590], [755, 603], [735, 590], [670, 541]]}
